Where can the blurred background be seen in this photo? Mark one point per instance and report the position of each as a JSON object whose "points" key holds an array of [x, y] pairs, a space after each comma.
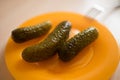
{"points": [[15, 12]]}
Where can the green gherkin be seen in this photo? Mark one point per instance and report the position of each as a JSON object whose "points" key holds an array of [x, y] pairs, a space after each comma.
{"points": [[72, 47], [49, 46], [21, 35]]}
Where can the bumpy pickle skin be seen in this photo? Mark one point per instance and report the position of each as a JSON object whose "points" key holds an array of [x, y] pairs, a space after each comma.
{"points": [[24, 34], [74, 45], [48, 47]]}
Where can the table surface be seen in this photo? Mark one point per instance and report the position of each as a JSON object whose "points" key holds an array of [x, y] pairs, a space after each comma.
{"points": [[15, 12]]}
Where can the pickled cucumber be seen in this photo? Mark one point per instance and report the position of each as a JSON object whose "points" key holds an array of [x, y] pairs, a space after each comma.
{"points": [[72, 47], [21, 35], [49, 46]]}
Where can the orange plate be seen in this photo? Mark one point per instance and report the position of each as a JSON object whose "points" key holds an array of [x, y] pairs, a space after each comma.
{"points": [[97, 61]]}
